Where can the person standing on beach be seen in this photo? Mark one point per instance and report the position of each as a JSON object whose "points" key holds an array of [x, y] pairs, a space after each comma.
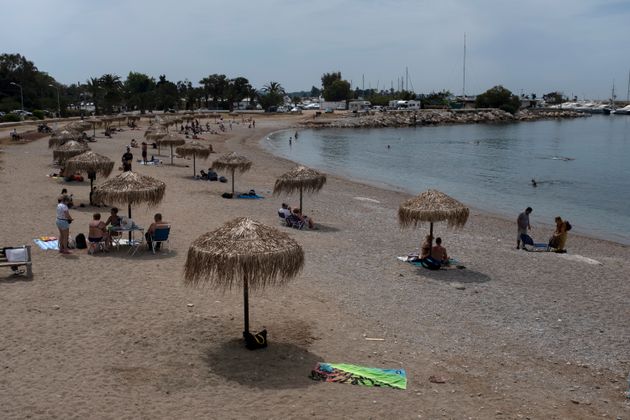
{"points": [[63, 224], [522, 223], [127, 158], [144, 152]]}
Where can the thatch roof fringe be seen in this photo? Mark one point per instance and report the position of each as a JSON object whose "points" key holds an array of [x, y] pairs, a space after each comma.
{"points": [[432, 206], [232, 161], [243, 247], [90, 162], [130, 188], [300, 177]]}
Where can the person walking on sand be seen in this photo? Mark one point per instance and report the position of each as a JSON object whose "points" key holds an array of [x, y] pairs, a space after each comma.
{"points": [[144, 152], [63, 224], [522, 223]]}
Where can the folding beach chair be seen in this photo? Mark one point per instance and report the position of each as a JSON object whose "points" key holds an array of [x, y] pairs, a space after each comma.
{"points": [[536, 247], [160, 235], [293, 221]]}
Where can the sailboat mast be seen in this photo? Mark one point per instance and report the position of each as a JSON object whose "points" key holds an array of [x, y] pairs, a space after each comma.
{"points": [[628, 93], [464, 72]]}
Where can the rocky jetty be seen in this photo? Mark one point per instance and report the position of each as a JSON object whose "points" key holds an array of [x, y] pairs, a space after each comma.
{"points": [[436, 117]]}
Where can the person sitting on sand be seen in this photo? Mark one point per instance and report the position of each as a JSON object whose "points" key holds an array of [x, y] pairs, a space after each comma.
{"points": [[285, 210], [97, 230], [203, 174], [307, 220], [133, 143], [425, 248], [157, 223], [438, 252]]}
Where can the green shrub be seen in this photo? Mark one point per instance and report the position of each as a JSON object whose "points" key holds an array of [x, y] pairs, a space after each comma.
{"points": [[11, 118], [39, 114]]}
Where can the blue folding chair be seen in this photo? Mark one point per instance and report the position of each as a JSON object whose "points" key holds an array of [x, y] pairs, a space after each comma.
{"points": [[160, 235], [537, 247]]}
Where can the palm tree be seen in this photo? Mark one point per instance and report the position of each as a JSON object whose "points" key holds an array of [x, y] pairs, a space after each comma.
{"points": [[113, 87], [273, 88], [94, 88]]}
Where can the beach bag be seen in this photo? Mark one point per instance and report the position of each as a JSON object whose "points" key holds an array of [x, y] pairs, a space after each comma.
{"points": [[80, 242], [222, 179], [226, 195], [255, 341], [567, 225], [553, 242]]}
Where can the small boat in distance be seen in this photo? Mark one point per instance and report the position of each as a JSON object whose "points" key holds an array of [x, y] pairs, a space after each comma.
{"points": [[622, 111]]}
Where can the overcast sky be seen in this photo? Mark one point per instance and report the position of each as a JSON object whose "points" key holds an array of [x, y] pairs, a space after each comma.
{"points": [[576, 46]]}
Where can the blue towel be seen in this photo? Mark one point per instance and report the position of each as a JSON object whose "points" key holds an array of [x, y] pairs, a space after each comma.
{"points": [[252, 197], [47, 244]]}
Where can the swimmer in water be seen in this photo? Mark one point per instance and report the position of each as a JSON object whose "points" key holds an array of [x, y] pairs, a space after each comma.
{"points": [[290, 141], [534, 184], [388, 146]]}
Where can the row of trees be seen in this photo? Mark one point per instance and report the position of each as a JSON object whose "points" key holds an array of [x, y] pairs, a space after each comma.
{"points": [[110, 93]]}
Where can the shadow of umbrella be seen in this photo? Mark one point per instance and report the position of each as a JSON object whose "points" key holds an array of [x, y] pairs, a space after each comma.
{"points": [[281, 366], [243, 253], [299, 179]]}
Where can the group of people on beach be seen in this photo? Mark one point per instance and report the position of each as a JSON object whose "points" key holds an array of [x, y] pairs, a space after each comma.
{"points": [[295, 216], [558, 240]]}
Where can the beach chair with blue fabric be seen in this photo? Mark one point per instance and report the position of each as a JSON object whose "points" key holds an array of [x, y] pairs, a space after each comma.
{"points": [[294, 222], [159, 236], [533, 246]]}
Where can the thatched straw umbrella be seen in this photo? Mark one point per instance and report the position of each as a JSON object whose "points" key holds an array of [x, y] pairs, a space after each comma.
{"points": [[432, 206], [300, 179], [93, 164], [130, 188], [154, 133], [79, 126], [233, 162], [95, 122], [57, 138], [171, 140], [69, 149], [194, 149], [246, 253]]}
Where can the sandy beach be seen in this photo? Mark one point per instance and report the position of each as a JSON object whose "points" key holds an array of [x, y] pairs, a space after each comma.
{"points": [[108, 336]]}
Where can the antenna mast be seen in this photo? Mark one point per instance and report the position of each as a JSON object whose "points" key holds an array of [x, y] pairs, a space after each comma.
{"points": [[628, 94], [464, 72]]}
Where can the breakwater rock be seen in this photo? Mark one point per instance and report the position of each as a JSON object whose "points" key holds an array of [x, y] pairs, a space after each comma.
{"points": [[435, 117]]}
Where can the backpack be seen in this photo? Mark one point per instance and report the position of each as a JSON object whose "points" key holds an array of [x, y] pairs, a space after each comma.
{"points": [[255, 341], [567, 225], [80, 242], [226, 195]]}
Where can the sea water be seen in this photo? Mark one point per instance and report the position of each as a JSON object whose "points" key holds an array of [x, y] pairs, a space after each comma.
{"points": [[581, 166]]}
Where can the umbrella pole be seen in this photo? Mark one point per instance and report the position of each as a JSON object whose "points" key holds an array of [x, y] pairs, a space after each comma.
{"points": [[232, 182], [129, 212], [194, 166], [301, 209], [245, 303], [91, 190], [431, 239], [171, 154]]}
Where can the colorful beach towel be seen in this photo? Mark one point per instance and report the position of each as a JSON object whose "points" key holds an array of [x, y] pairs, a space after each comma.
{"points": [[47, 242], [359, 375]]}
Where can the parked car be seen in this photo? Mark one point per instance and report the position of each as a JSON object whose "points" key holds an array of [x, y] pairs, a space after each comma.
{"points": [[329, 110], [21, 112]]}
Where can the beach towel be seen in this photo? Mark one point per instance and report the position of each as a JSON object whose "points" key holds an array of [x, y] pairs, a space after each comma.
{"points": [[538, 247], [359, 375], [47, 242], [250, 196], [413, 259]]}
